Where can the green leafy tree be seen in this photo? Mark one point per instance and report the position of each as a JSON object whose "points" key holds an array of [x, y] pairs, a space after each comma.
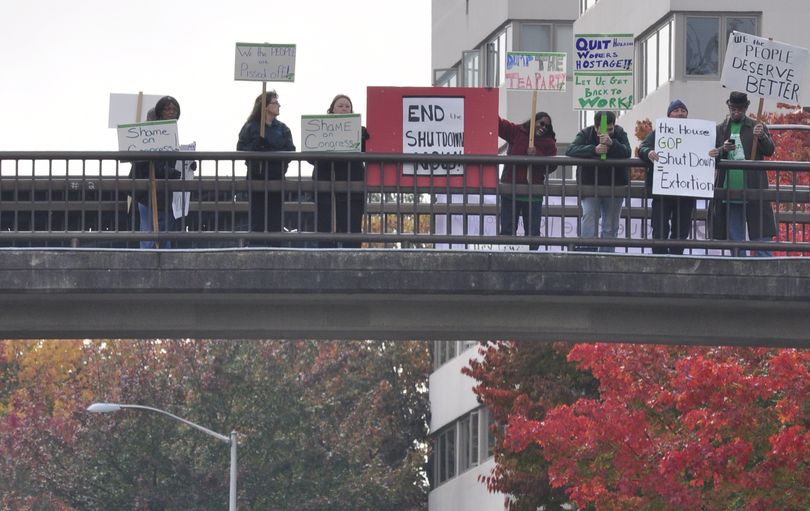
{"points": [[338, 425]]}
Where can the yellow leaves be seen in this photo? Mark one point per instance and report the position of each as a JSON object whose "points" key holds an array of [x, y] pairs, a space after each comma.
{"points": [[45, 361]]}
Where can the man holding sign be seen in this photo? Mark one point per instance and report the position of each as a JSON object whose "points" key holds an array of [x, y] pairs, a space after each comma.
{"points": [[735, 139], [671, 214], [593, 142]]}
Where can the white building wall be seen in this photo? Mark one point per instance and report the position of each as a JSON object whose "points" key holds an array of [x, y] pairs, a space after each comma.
{"points": [[451, 393], [467, 493], [705, 98]]}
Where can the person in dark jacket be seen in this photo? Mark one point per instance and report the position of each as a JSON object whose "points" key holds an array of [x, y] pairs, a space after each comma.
{"points": [[671, 214], [734, 138], [527, 207], [348, 207], [590, 143], [265, 206], [167, 108]]}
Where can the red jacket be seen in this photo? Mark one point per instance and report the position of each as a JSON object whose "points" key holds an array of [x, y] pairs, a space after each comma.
{"points": [[518, 139]]}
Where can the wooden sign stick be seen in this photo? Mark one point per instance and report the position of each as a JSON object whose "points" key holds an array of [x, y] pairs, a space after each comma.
{"points": [[756, 139], [264, 109], [532, 127], [153, 200]]}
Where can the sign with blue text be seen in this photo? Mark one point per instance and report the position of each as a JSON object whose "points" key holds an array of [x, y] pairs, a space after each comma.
{"points": [[148, 136], [684, 166], [535, 70], [603, 71], [331, 132], [765, 68], [265, 62]]}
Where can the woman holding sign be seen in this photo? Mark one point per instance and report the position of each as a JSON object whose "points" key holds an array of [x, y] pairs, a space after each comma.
{"points": [[167, 108], [264, 132], [527, 207], [348, 206]]}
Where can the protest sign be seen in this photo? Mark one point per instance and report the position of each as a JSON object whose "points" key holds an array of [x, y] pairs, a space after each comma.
{"points": [[148, 136], [181, 200], [603, 71], [124, 108], [535, 70], [684, 166], [332, 132], [765, 68], [432, 120], [433, 125], [265, 62]]}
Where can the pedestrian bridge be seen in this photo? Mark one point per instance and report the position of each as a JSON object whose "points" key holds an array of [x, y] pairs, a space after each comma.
{"points": [[70, 268], [403, 294]]}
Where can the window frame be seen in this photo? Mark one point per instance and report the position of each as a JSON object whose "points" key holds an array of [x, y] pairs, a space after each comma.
{"points": [[722, 37]]}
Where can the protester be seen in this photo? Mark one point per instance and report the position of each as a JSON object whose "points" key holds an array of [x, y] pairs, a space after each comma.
{"points": [[728, 218], [265, 206], [527, 207], [167, 108], [590, 143], [348, 206], [671, 215]]}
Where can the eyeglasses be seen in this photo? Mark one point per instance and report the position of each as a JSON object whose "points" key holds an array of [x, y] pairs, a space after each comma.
{"points": [[274, 102], [737, 108], [542, 124]]}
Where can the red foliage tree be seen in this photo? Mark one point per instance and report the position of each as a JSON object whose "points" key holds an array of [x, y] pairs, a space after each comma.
{"points": [[680, 428], [791, 145]]}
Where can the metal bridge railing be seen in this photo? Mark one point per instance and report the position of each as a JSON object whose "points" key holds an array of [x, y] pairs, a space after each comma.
{"points": [[84, 199]]}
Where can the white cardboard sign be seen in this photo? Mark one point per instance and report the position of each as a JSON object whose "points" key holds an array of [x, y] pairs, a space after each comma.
{"points": [[433, 125], [331, 132], [761, 67], [265, 62], [123, 108], [684, 167], [148, 136], [535, 70]]}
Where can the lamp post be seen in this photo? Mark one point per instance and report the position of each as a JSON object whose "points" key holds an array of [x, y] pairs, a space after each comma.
{"points": [[114, 407]]}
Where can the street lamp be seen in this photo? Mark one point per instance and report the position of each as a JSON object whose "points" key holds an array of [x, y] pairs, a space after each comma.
{"points": [[114, 407]]}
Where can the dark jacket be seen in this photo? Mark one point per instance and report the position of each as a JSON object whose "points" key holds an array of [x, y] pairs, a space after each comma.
{"points": [[164, 169], [277, 137], [517, 136], [344, 170], [584, 146], [647, 145], [758, 214]]}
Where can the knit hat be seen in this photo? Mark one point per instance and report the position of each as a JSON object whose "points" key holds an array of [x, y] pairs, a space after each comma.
{"points": [[739, 99], [676, 104]]}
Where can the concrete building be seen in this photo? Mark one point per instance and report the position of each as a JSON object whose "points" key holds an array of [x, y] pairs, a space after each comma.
{"points": [[679, 53]]}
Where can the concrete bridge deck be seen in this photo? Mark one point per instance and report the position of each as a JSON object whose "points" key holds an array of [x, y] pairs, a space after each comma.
{"points": [[402, 294]]}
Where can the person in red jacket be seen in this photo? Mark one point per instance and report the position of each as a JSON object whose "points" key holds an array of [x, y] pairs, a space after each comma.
{"points": [[527, 207]]}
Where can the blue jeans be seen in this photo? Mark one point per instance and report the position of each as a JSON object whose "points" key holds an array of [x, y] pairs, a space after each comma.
{"points": [[737, 229], [165, 223], [530, 212], [609, 209]]}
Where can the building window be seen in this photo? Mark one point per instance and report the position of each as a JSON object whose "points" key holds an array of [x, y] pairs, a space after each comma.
{"points": [[706, 38], [443, 352], [445, 454], [495, 57], [445, 77], [462, 445], [656, 59], [584, 5], [472, 72], [547, 37]]}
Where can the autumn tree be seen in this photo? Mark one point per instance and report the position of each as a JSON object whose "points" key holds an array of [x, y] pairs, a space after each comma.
{"points": [[525, 380], [678, 428], [338, 425]]}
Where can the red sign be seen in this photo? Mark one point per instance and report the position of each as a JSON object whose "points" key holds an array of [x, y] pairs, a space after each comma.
{"points": [[432, 120]]}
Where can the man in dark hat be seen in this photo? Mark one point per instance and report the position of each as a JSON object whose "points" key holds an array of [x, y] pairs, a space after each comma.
{"points": [[671, 215], [729, 217]]}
